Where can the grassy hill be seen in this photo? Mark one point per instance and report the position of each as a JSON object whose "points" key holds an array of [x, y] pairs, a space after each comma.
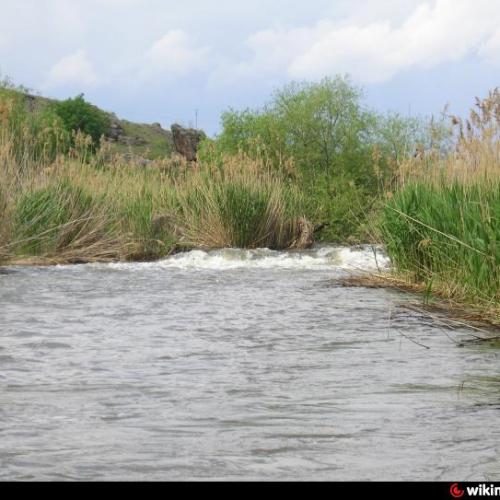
{"points": [[140, 139], [149, 141]]}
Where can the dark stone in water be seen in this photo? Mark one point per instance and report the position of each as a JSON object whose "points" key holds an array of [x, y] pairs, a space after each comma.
{"points": [[4, 270]]}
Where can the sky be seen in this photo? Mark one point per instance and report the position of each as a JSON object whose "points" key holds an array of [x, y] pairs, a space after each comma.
{"points": [[172, 61]]}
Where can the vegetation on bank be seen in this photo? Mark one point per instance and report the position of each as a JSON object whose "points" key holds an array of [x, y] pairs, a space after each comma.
{"points": [[64, 198], [77, 115], [441, 226], [343, 156], [80, 212], [313, 158]]}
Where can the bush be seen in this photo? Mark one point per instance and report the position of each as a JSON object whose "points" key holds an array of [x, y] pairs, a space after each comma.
{"points": [[78, 115]]}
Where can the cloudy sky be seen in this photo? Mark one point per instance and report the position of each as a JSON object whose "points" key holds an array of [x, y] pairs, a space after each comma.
{"points": [[161, 60]]}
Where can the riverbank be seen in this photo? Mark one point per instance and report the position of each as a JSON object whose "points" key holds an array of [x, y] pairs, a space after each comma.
{"points": [[431, 196], [441, 226], [458, 313], [79, 212], [260, 183]]}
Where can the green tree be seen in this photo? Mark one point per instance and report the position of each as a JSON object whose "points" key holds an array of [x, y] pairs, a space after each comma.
{"points": [[79, 115], [322, 126], [346, 154], [321, 121]]}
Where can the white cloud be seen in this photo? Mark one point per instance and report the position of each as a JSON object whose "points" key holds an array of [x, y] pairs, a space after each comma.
{"points": [[176, 54], [116, 3], [433, 33], [490, 50], [271, 50], [233, 53], [373, 40], [74, 69]]}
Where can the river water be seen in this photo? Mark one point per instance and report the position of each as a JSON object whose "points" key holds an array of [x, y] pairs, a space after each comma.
{"points": [[237, 365]]}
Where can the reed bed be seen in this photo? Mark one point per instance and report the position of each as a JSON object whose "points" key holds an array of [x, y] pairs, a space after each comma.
{"points": [[241, 203], [442, 226], [79, 205]]}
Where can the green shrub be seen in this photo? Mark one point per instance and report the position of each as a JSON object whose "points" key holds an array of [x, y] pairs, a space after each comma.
{"points": [[78, 115], [343, 206]]}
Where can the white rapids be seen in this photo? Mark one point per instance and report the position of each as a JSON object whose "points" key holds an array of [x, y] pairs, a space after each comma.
{"points": [[361, 258]]}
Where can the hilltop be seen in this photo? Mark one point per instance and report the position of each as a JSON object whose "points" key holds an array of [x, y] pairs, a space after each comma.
{"points": [[138, 140]]}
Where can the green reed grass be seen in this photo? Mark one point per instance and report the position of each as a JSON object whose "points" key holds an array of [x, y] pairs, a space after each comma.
{"points": [[237, 204], [442, 226], [448, 234]]}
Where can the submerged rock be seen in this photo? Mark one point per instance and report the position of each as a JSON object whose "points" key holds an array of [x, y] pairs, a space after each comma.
{"points": [[187, 141]]}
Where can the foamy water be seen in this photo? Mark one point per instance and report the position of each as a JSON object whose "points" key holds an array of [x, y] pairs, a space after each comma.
{"points": [[362, 258]]}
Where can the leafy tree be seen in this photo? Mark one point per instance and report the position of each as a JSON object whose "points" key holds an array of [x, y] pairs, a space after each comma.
{"points": [[79, 115], [321, 121], [346, 154], [322, 126]]}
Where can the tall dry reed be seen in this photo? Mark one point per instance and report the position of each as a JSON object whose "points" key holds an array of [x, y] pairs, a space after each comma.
{"points": [[60, 205], [238, 203]]}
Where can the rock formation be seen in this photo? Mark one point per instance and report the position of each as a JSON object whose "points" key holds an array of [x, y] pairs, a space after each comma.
{"points": [[115, 132], [187, 141]]}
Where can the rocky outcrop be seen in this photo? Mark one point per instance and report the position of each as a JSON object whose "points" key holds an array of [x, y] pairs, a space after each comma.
{"points": [[187, 141], [140, 135], [116, 132], [165, 133]]}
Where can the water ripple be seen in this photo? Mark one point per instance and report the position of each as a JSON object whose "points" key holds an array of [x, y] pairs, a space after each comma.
{"points": [[235, 365]]}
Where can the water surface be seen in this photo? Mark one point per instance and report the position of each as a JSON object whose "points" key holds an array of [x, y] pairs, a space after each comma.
{"points": [[236, 365]]}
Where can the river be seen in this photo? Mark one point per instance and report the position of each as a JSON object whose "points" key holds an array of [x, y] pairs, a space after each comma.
{"points": [[234, 365]]}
